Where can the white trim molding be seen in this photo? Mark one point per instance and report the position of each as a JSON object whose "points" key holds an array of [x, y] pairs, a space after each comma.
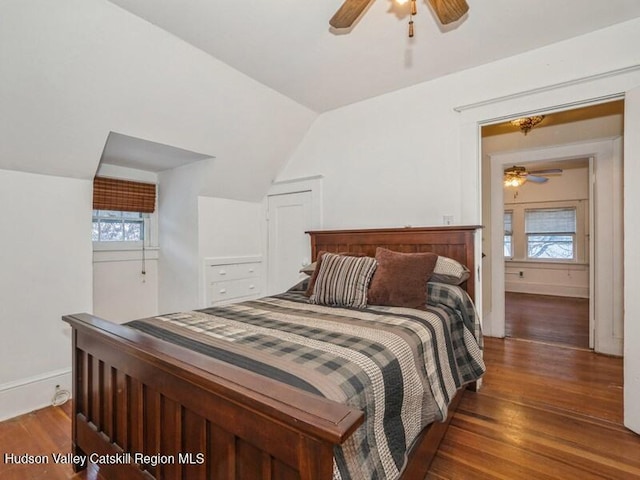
{"points": [[32, 393], [555, 86]]}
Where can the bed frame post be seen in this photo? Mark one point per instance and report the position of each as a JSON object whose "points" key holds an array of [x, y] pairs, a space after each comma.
{"points": [[75, 399], [316, 460]]}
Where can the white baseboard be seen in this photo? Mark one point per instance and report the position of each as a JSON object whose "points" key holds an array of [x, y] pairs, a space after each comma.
{"points": [[32, 393], [547, 289]]}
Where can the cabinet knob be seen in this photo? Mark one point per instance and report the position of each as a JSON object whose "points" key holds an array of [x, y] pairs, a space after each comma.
{"points": [[223, 290], [222, 272], [251, 287]]}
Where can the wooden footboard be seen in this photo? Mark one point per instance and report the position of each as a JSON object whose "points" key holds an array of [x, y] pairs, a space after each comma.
{"points": [[180, 415]]}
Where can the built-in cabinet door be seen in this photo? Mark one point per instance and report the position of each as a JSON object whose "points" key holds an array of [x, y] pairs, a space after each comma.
{"points": [[289, 216], [632, 260]]}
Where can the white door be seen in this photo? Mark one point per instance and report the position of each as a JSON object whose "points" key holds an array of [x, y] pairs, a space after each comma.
{"points": [[632, 260], [289, 217]]}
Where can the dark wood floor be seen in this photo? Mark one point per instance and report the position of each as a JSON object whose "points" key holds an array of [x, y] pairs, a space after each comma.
{"points": [[42, 432], [544, 412], [545, 318]]}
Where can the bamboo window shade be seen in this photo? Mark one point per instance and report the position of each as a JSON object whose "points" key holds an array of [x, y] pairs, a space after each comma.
{"points": [[123, 195]]}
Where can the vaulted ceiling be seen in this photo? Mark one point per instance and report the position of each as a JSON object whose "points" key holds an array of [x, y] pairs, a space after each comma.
{"points": [[289, 46], [77, 72]]}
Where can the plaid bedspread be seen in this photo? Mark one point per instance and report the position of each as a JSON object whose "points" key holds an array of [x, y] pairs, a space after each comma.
{"points": [[400, 366]]}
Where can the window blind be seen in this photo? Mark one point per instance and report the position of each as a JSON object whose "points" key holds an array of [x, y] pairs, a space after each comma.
{"points": [[123, 195], [561, 220]]}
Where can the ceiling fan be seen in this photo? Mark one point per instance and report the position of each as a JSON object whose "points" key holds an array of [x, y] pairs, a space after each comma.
{"points": [[447, 11], [516, 176]]}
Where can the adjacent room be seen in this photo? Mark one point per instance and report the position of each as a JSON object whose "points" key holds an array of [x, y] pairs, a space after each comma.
{"points": [[319, 240], [563, 224]]}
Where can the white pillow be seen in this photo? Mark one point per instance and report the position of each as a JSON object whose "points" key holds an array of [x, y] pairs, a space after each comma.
{"points": [[448, 270]]}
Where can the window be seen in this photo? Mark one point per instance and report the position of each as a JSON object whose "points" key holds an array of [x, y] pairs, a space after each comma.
{"points": [[508, 234], [550, 233], [116, 226], [122, 212]]}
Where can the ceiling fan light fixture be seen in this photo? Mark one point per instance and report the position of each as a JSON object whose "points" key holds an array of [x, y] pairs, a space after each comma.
{"points": [[513, 181], [527, 123], [414, 11], [447, 11]]}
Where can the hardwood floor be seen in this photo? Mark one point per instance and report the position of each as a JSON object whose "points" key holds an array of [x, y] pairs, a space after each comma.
{"points": [[545, 318], [543, 412], [42, 432]]}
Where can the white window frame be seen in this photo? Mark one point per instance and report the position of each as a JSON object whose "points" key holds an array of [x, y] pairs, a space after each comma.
{"points": [[508, 233], [519, 240], [150, 241], [573, 234]]}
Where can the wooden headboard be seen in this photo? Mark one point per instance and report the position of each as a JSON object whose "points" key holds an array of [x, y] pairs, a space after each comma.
{"points": [[455, 242]]}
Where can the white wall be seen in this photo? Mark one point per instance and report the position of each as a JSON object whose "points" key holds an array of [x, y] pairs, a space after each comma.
{"points": [[390, 161], [45, 272], [228, 228], [120, 291], [188, 231]]}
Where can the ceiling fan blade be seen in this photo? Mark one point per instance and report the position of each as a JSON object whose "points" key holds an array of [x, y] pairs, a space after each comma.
{"points": [[535, 179], [449, 10], [348, 13], [549, 171]]}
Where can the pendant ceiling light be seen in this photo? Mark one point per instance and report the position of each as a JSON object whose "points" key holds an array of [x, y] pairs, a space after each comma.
{"points": [[527, 123]]}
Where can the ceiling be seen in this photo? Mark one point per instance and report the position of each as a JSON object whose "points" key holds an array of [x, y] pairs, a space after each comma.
{"points": [[289, 46], [131, 152]]}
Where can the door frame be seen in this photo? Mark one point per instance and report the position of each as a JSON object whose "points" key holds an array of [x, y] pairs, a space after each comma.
{"points": [[588, 90], [311, 184], [632, 260], [603, 338]]}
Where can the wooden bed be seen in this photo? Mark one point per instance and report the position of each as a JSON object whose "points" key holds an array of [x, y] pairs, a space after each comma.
{"points": [[134, 393]]}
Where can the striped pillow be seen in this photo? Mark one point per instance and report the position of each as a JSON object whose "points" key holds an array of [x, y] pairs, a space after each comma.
{"points": [[343, 281]]}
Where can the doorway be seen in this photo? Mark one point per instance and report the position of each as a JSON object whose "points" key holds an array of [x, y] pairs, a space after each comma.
{"points": [[565, 141], [291, 208], [547, 252], [289, 217]]}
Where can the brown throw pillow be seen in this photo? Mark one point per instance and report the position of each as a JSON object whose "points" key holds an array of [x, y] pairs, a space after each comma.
{"points": [[400, 279], [318, 262]]}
